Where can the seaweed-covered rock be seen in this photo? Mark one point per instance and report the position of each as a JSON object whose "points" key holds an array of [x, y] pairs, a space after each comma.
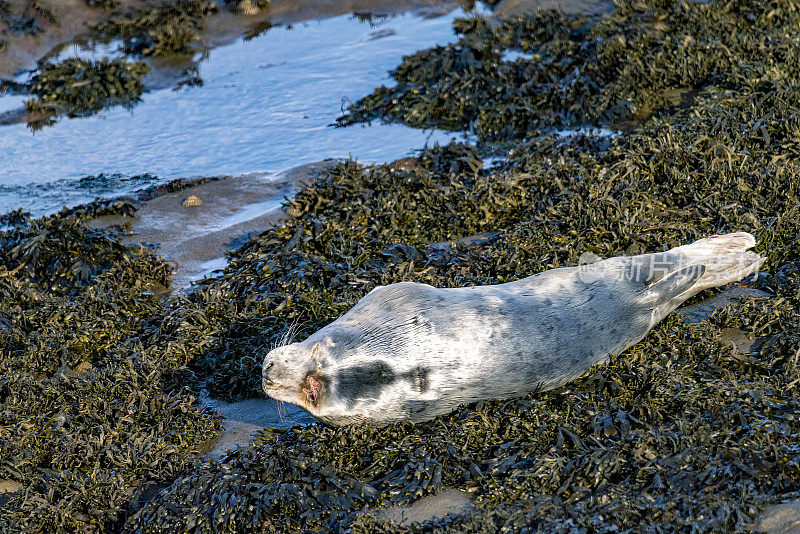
{"points": [[644, 436], [679, 433], [159, 30], [88, 419], [512, 78], [80, 87]]}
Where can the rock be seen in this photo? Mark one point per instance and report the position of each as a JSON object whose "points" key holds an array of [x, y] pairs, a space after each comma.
{"points": [[782, 518], [9, 486], [406, 165], [521, 8], [448, 502], [81, 368], [739, 340], [477, 239]]}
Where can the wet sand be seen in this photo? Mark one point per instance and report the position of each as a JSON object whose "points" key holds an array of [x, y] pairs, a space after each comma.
{"points": [[448, 502], [195, 238], [514, 8]]}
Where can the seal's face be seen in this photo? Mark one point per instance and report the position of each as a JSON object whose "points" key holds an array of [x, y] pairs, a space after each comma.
{"points": [[293, 374]]}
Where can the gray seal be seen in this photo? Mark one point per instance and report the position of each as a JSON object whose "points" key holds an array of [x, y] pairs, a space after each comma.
{"points": [[410, 352]]}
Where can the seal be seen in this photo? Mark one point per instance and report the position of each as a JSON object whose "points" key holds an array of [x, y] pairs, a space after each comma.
{"points": [[410, 352]]}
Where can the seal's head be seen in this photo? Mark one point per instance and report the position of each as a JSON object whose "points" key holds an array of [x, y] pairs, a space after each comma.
{"points": [[341, 375], [292, 373]]}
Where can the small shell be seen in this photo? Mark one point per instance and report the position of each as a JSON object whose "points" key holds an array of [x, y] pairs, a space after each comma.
{"points": [[247, 7], [81, 368], [192, 201]]}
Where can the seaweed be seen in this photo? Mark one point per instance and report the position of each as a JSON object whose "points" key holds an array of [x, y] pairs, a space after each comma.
{"points": [[247, 7], [190, 77], [105, 4], [78, 87], [41, 9], [258, 29], [642, 59], [679, 433], [86, 423], [167, 29], [15, 217], [173, 186], [373, 19]]}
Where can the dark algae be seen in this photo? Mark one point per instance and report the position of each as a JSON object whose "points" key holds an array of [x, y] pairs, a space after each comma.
{"points": [[247, 7], [166, 29], [78, 87], [88, 420], [105, 4], [98, 370]]}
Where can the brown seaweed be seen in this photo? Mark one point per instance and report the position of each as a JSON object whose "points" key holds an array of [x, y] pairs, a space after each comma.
{"points": [[77, 87], [679, 433]]}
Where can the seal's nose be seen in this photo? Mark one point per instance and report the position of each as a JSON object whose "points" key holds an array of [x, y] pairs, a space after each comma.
{"points": [[265, 379]]}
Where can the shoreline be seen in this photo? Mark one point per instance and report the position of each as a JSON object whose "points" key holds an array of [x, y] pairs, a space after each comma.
{"points": [[23, 51], [74, 17]]}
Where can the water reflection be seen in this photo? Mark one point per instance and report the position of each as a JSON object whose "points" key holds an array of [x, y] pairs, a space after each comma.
{"points": [[265, 106]]}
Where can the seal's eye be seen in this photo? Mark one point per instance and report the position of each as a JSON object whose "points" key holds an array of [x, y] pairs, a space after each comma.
{"points": [[312, 388]]}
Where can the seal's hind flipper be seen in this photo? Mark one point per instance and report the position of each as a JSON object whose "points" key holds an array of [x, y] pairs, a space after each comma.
{"points": [[675, 284], [723, 259]]}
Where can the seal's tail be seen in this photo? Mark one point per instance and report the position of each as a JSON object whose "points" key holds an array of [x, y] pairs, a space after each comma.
{"points": [[709, 262]]}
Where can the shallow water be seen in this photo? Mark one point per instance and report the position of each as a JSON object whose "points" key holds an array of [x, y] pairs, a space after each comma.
{"points": [[241, 420], [266, 106]]}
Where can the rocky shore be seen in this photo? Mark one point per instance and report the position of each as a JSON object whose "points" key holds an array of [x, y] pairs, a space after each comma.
{"points": [[102, 367]]}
